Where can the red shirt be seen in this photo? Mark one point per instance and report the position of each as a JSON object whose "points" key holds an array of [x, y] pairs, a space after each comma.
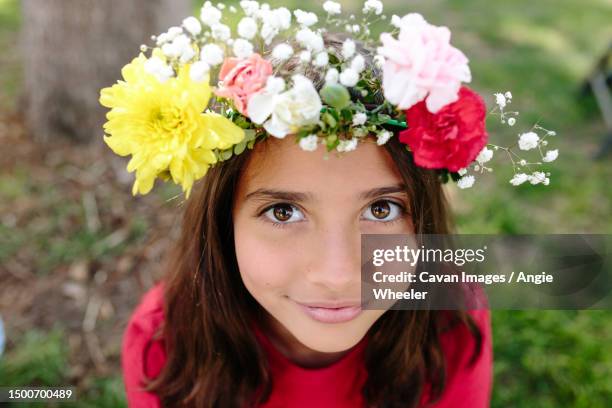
{"points": [[337, 385]]}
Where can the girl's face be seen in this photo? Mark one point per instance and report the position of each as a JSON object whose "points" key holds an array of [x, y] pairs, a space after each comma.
{"points": [[298, 218]]}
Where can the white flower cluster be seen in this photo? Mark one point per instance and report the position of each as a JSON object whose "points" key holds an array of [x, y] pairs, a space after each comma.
{"points": [[214, 38], [373, 6], [502, 100], [530, 140]]}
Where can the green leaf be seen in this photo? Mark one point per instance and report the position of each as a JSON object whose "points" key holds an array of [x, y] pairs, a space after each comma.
{"points": [[226, 154], [239, 148], [242, 122], [455, 176], [333, 60], [329, 119], [249, 134], [332, 142], [347, 115], [334, 113], [443, 174]]}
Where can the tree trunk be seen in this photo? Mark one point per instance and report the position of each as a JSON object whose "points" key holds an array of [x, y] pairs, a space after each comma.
{"points": [[73, 48]]}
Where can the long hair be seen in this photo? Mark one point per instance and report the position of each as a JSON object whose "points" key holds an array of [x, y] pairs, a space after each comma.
{"points": [[214, 358]]}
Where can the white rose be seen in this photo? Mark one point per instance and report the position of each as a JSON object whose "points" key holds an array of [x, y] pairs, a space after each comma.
{"points": [[287, 111]]}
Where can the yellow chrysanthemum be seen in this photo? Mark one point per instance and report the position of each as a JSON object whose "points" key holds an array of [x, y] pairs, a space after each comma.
{"points": [[162, 126]]}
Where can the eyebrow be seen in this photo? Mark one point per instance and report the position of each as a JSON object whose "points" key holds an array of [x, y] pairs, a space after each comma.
{"points": [[297, 196]]}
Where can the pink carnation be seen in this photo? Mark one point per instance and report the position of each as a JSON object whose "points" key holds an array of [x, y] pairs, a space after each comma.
{"points": [[242, 78], [421, 64]]}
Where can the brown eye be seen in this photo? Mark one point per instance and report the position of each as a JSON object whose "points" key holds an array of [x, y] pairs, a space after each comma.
{"points": [[383, 210], [282, 212]]}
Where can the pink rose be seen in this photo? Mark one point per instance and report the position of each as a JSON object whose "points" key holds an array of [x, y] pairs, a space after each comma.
{"points": [[242, 78], [421, 64]]}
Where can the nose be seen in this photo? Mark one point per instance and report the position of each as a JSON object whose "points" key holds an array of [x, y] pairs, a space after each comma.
{"points": [[335, 262]]}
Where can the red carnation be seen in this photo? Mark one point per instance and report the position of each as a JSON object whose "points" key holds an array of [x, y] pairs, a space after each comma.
{"points": [[450, 139]]}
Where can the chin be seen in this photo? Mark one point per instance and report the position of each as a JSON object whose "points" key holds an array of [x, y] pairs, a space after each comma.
{"points": [[327, 338]]}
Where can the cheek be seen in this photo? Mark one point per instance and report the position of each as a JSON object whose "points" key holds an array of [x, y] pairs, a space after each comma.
{"points": [[266, 265]]}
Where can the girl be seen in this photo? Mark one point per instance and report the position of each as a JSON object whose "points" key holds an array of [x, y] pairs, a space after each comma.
{"points": [[261, 303]]}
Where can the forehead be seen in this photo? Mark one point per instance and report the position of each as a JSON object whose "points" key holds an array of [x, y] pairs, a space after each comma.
{"points": [[282, 164]]}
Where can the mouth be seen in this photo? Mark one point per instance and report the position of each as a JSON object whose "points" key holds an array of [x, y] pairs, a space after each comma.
{"points": [[331, 312]]}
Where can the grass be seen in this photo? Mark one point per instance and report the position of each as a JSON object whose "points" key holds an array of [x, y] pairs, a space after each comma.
{"points": [[541, 51], [42, 360], [550, 359]]}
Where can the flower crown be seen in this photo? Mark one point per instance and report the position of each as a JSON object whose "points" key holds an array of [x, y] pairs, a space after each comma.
{"points": [[204, 95]]}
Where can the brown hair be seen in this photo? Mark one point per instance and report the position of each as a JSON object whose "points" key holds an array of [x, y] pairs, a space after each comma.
{"points": [[213, 357]]}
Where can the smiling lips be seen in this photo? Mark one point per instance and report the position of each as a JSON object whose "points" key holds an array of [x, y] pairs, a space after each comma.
{"points": [[330, 312]]}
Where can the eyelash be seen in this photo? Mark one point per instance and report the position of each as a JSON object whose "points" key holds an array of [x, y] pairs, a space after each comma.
{"points": [[275, 224]]}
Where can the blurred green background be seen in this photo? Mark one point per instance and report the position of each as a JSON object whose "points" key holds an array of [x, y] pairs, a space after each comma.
{"points": [[75, 244]]}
